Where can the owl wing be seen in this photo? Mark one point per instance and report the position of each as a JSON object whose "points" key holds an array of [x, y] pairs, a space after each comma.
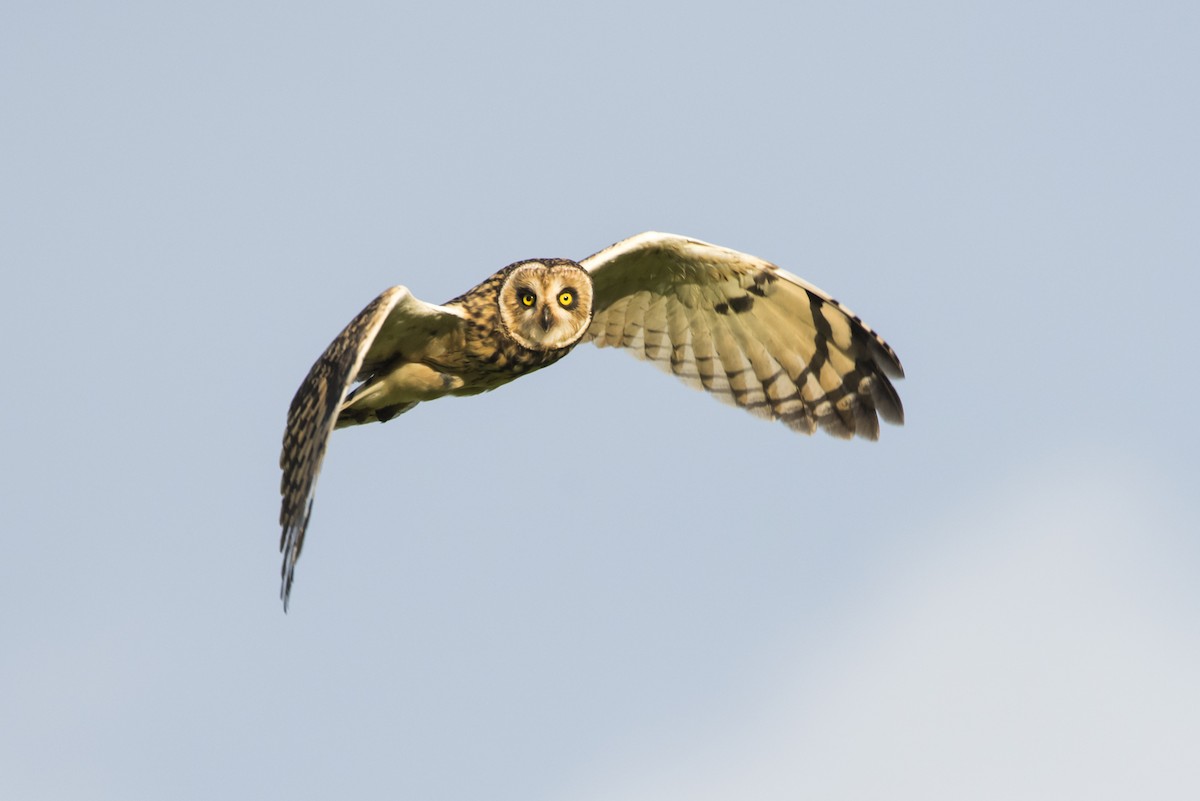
{"points": [[392, 324], [748, 332]]}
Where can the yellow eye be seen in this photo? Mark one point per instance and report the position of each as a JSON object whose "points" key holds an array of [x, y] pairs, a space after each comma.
{"points": [[528, 298], [566, 298]]}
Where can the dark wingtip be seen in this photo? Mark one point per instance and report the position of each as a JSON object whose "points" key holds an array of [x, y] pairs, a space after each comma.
{"points": [[285, 586], [290, 544], [887, 401], [886, 358]]}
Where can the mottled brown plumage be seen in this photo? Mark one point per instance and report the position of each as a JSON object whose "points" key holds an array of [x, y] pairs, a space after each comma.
{"points": [[742, 329]]}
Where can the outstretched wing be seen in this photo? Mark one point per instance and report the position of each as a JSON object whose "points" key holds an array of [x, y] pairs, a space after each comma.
{"points": [[392, 324], [748, 332]]}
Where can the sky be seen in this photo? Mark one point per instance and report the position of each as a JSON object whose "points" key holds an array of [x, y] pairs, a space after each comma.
{"points": [[997, 600]]}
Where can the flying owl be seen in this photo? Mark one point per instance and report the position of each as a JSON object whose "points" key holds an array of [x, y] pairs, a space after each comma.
{"points": [[734, 325]]}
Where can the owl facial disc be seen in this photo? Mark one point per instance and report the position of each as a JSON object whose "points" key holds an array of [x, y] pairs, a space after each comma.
{"points": [[546, 304]]}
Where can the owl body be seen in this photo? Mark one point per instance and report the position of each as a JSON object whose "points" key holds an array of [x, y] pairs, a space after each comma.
{"points": [[733, 325], [482, 352]]}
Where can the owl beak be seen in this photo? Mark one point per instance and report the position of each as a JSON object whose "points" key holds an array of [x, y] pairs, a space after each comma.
{"points": [[546, 318]]}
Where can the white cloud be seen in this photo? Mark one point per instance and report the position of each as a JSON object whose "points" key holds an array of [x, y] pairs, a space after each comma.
{"points": [[1047, 649]]}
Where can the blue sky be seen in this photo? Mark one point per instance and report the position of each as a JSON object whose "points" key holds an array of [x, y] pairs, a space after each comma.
{"points": [[997, 600]]}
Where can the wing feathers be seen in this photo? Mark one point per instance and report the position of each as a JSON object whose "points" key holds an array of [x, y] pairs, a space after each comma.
{"points": [[390, 324], [747, 332]]}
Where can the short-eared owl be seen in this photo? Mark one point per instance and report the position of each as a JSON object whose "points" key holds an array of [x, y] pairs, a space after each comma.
{"points": [[732, 324]]}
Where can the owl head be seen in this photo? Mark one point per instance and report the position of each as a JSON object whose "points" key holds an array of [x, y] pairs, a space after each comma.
{"points": [[546, 304]]}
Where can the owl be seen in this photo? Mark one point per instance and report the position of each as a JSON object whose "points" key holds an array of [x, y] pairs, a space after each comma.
{"points": [[726, 322]]}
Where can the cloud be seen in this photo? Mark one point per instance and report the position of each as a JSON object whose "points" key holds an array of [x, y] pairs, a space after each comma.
{"points": [[1046, 648]]}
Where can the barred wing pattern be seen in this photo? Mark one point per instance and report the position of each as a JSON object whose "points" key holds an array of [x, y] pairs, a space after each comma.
{"points": [[390, 324], [746, 331]]}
